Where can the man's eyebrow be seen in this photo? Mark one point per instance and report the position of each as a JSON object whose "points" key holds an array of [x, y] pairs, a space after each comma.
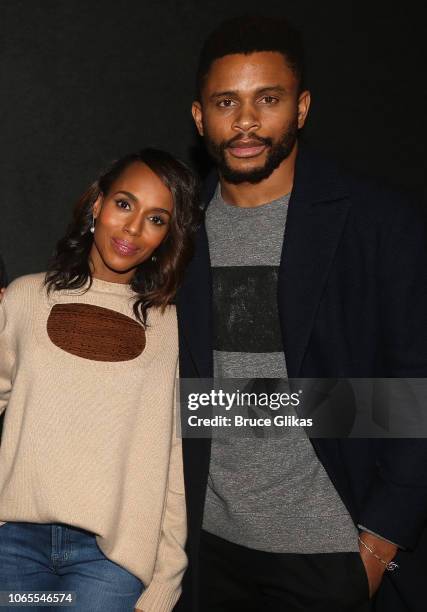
{"points": [[260, 90], [273, 88], [128, 194], [219, 94]]}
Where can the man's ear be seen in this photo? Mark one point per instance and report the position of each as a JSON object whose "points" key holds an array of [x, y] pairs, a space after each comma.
{"points": [[196, 111], [96, 208], [304, 100]]}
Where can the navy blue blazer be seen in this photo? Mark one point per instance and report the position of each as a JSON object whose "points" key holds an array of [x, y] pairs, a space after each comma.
{"points": [[352, 298]]}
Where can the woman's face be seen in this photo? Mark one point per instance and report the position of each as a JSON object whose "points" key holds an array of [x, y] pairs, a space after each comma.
{"points": [[132, 220]]}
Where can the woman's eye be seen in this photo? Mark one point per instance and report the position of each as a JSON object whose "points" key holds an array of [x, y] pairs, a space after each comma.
{"points": [[156, 220], [123, 204]]}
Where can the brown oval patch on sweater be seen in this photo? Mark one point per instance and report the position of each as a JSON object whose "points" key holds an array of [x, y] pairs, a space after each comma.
{"points": [[95, 333]]}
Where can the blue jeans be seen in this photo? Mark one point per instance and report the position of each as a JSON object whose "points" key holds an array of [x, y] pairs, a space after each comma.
{"points": [[55, 557]]}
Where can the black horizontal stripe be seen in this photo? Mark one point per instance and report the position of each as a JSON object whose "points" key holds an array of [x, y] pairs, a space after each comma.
{"points": [[245, 309]]}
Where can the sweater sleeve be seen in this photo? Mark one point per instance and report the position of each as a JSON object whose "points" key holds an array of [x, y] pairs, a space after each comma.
{"points": [[164, 589], [7, 357]]}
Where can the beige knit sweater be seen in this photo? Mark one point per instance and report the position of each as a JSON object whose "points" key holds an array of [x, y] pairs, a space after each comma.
{"points": [[89, 437]]}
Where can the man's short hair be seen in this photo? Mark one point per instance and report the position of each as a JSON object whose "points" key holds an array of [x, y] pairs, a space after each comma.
{"points": [[249, 34]]}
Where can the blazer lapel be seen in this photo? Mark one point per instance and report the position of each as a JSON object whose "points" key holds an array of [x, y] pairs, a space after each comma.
{"points": [[194, 311], [195, 296], [318, 209]]}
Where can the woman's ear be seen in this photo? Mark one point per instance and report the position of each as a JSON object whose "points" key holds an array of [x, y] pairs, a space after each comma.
{"points": [[96, 208]]}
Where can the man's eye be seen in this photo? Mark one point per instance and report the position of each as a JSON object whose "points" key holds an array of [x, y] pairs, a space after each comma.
{"points": [[123, 204], [156, 220], [269, 100], [226, 103]]}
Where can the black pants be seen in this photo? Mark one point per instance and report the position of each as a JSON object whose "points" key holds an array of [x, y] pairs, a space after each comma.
{"points": [[239, 579]]}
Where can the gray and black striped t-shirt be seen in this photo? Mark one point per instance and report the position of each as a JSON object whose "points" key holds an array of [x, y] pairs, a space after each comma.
{"points": [[263, 493]]}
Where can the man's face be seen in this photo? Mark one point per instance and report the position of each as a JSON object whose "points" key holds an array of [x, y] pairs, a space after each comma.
{"points": [[249, 114]]}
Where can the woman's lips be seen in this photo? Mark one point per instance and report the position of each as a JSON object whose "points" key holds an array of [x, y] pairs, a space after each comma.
{"points": [[246, 149], [122, 247]]}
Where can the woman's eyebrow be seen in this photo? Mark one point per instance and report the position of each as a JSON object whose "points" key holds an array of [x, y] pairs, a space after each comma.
{"points": [[128, 194], [163, 210]]}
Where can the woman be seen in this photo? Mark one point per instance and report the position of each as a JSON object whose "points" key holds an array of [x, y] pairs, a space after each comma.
{"points": [[91, 487]]}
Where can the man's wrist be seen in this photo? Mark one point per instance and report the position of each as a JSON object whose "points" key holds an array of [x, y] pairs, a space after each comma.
{"points": [[382, 550], [379, 535]]}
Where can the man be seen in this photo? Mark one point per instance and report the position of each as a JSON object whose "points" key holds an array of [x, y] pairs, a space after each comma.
{"points": [[303, 271]]}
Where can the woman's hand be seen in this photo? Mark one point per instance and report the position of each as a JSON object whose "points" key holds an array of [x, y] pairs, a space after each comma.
{"points": [[2, 293]]}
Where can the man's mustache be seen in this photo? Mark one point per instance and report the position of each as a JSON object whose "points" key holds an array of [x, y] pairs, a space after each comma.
{"points": [[252, 139]]}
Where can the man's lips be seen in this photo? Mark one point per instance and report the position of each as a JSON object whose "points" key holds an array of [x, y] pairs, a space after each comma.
{"points": [[122, 247], [246, 148]]}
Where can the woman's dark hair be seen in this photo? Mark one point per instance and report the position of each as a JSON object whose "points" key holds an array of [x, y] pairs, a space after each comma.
{"points": [[154, 282], [248, 34]]}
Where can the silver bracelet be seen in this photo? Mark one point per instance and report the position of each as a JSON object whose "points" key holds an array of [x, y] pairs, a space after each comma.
{"points": [[390, 566]]}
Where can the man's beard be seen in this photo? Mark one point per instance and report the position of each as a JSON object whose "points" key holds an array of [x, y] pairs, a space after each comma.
{"points": [[276, 153]]}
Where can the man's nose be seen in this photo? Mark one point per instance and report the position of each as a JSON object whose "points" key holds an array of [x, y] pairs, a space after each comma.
{"points": [[247, 118]]}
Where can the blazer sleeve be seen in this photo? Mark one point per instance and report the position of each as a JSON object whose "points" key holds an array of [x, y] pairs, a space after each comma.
{"points": [[396, 508]]}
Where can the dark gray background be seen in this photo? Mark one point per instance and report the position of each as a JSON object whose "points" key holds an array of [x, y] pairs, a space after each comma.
{"points": [[83, 82]]}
